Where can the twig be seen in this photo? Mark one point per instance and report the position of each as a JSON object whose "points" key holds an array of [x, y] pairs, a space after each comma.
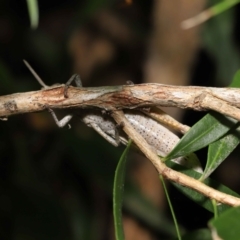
{"points": [[224, 100], [166, 120], [168, 172], [125, 97]]}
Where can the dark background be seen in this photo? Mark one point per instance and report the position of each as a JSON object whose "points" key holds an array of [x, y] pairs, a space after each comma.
{"points": [[57, 183]]}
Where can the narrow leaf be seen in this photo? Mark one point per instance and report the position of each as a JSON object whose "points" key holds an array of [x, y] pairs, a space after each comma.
{"points": [[210, 128], [33, 13], [227, 226], [219, 151], [118, 192]]}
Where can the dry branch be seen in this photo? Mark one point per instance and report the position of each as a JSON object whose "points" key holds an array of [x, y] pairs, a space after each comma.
{"points": [[223, 100], [168, 172]]}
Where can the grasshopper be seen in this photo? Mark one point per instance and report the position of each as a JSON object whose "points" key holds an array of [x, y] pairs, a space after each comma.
{"points": [[160, 138]]}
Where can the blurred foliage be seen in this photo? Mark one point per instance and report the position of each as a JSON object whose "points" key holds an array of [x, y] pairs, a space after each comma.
{"points": [[33, 13], [57, 183], [228, 220], [218, 38]]}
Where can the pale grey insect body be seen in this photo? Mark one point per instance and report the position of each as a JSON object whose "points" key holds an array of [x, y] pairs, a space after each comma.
{"points": [[158, 137]]}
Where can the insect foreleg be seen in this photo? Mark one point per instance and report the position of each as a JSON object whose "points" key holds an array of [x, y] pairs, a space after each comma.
{"points": [[63, 122]]}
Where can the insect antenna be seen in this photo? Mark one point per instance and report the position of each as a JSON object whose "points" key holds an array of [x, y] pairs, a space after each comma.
{"points": [[35, 74]]}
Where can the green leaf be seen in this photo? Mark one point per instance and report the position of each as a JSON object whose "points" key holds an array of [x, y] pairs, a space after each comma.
{"points": [[33, 13], [217, 34], [197, 197], [219, 150], [222, 6], [210, 128], [227, 226], [118, 192], [236, 80]]}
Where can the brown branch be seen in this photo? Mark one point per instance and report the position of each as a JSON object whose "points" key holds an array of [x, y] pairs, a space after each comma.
{"points": [[168, 172], [224, 100], [122, 97], [166, 120]]}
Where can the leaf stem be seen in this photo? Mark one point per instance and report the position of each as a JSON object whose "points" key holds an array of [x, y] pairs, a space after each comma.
{"points": [[171, 207]]}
